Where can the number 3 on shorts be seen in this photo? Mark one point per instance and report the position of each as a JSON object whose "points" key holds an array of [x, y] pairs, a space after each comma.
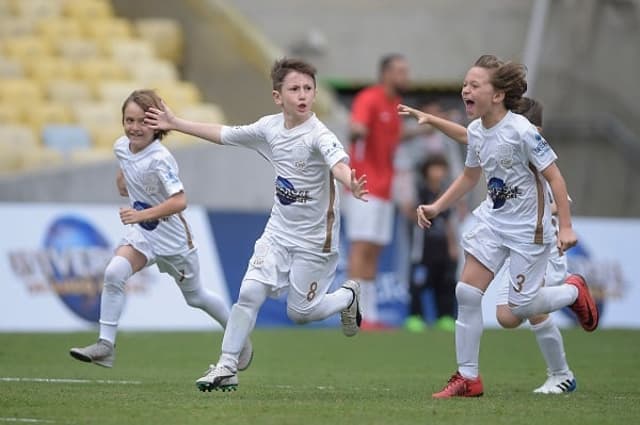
{"points": [[519, 282], [313, 288]]}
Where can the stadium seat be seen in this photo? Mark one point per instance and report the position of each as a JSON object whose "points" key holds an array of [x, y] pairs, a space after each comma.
{"points": [[116, 92], [130, 51], [68, 91], [51, 68], [88, 9], [152, 72], [16, 26], [104, 137], [103, 30], [10, 159], [26, 48], [94, 115], [60, 28], [10, 68], [19, 91], [166, 36], [42, 114], [95, 70], [38, 8], [85, 156], [204, 112], [9, 114], [39, 158], [78, 49], [66, 138], [179, 94], [17, 135], [6, 7]]}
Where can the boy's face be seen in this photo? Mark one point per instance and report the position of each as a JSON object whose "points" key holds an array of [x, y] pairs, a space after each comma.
{"points": [[478, 94], [139, 134], [436, 174], [296, 96]]}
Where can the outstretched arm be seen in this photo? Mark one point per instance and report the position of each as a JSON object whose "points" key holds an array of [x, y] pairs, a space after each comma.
{"points": [[165, 119], [566, 236], [460, 187], [347, 177], [453, 130], [173, 205]]}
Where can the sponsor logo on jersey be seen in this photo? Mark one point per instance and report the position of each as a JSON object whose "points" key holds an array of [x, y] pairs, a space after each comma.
{"points": [[146, 225], [287, 193], [542, 147], [499, 192]]}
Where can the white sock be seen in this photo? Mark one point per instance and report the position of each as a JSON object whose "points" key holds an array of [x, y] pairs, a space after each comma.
{"points": [[118, 271], [331, 304], [551, 345], [369, 300], [242, 321], [548, 299], [209, 302], [468, 329]]}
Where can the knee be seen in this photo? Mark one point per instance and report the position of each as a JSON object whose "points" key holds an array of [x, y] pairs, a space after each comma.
{"points": [[522, 311], [297, 317], [468, 295], [506, 318], [116, 273]]}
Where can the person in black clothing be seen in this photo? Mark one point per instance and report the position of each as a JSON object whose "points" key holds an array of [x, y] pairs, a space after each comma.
{"points": [[434, 254]]}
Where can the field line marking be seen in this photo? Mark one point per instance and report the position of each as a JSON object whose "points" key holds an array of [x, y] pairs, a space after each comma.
{"points": [[26, 420], [68, 381]]}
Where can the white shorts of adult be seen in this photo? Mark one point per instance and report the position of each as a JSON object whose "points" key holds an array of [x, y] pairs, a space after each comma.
{"points": [[306, 275], [370, 221], [184, 268], [525, 270], [555, 274]]}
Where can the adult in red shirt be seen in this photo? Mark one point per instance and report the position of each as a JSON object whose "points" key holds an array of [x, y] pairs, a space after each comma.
{"points": [[375, 133]]}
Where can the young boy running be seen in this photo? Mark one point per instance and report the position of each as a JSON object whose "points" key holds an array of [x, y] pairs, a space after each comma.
{"points": [[560, 378], [298, 250], [513, 222], [157, 231]]}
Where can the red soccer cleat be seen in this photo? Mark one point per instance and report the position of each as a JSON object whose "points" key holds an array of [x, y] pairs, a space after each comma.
{"points": [[459, 386], [584, 306]]}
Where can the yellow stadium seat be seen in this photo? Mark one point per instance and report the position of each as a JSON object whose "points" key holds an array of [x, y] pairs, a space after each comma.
{"points": [[87, 10], [40, 158], [26, 48], [105, 136], [87, 156], [10, 68], [38, 8], [9, 114], [40, 114], [130, 50], [153, 72], [17, 135], [116, 91], [19, 91], [95, 70], [78, 49], [68, 91], [108, 29], [175, 140], [166, 36], [59, 28], [51, 68], [203, 112], [16, 26], [179, 94], [6, 7], [10, 159], [96, 115]]}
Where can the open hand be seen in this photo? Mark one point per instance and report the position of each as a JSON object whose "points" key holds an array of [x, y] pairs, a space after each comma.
{"points": [[160, 119], [359, 186], [423, 118], [425, 214], [566, 239]]}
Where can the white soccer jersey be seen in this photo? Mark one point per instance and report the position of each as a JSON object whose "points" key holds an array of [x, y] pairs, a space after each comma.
{"points": [[306, 205], [512, 155], [151, 177]]}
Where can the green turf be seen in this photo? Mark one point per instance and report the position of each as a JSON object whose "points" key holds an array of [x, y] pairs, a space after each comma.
{"points": [[307, 376]]}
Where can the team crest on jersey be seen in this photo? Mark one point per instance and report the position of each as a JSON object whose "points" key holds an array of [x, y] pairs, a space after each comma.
{"points": [[300, 156], [505, 155], [287, 193], [499, 192], [150, 183]]}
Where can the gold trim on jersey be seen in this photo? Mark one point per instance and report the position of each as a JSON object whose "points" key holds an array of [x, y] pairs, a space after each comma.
{"points": [[538, 236], [186, 230], [331, 215]]}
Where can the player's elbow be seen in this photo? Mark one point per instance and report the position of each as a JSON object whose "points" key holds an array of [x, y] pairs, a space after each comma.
{"points": [[179, 202]]}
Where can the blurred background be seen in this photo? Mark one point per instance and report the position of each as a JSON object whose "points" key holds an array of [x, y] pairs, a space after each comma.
{"points": [[67, 65]]}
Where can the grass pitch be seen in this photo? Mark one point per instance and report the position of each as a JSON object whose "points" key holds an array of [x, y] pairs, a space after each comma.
{"points": [[307, 376]]}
